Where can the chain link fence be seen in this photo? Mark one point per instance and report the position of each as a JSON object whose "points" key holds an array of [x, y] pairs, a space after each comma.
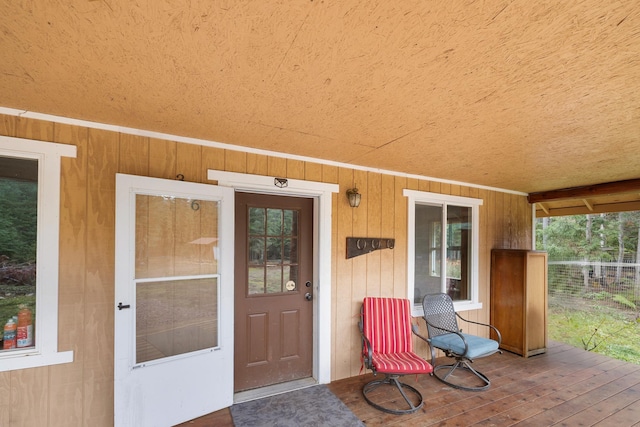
{"points": [[594, 285]]}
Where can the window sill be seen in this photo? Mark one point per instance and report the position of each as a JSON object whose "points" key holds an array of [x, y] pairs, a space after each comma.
{"points": [[459, 306], [13, 363]]}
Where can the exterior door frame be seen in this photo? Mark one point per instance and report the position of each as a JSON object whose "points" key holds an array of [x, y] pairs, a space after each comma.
{"points": [[322, 200]]}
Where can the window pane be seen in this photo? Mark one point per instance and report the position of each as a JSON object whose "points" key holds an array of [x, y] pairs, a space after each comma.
{"points": [[256, 250], [274, 279], [290, 222], [274, 222], [274, 249], [256, 283], [428, 229], [18, 238], [287, 254], [256, 220], [458, 252], [175, 317]]}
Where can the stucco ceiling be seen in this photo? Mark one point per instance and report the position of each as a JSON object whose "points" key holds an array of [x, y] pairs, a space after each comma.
{"points": [[521, 95]]}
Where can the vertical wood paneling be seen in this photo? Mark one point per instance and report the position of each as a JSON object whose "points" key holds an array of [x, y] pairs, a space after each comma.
{"points": [[257, 165], [67, 379], [5, 398], [34, 129], [388, 230], [374, 227], [162, 156], [295, 169], [235, 161], [134, 155], [277, 166], [29, 397], [8, 126], [313, 172], [189, 162], [81, 393], [102, 165], [359, 278], [330, 175], [343, 314]]}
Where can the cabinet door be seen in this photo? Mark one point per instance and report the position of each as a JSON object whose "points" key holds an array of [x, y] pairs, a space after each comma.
{"points": [[507, 298]]}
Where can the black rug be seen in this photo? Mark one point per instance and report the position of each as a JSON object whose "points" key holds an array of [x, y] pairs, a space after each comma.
{"points": [[314, 406]]}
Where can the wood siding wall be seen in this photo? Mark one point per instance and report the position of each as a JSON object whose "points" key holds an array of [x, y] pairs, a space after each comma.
{"points": [[81, 393]]}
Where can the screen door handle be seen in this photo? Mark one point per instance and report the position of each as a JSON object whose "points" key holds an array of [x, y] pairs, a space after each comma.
{"points": [[121, 306]]}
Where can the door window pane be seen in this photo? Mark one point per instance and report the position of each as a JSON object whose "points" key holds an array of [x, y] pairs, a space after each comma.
{"points": [[18, 238], [274, 279], [175, 317], [175, 236], [257, 217], [274, 222]]}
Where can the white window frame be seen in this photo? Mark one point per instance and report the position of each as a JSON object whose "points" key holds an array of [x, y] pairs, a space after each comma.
{"points": [[45, 352], [422, 197]]}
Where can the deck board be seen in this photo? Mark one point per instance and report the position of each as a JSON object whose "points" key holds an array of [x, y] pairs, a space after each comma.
{"points": [[564, 386]]}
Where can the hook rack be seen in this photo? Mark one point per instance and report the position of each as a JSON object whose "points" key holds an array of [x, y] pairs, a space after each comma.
{"points": [[357, 246]]}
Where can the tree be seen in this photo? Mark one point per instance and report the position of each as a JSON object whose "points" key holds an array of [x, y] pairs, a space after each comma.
{"points": [[18, 219]]}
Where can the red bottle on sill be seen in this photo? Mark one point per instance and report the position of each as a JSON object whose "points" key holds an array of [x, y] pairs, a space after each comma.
{"points": [[9, 337]]}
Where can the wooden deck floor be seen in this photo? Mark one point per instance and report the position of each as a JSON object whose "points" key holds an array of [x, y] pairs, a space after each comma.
{"points": [[565, 386]]}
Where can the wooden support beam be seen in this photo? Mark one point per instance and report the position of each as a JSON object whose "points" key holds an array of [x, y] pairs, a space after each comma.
{"points": [[587, 204], [544, 208], [581, 210], [586, 191]]}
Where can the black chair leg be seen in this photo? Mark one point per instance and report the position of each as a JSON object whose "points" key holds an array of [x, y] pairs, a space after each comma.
{"points": [[465, 366], [406, 391]]}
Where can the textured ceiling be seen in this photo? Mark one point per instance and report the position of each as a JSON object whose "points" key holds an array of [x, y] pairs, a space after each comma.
{"points": [[521, 95]]}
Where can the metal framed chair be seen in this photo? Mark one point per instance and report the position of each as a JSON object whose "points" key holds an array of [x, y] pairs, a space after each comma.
{"points": [[445, 334], [387, 348]]}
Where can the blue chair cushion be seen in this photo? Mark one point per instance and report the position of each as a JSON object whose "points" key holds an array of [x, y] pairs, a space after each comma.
{"points": [[477, 346]]}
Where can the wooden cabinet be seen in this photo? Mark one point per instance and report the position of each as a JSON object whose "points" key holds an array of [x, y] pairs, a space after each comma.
{"points": [[519, 299]]}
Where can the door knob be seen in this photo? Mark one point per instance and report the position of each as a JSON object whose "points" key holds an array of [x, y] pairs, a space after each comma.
{"points": [[308, 296]]}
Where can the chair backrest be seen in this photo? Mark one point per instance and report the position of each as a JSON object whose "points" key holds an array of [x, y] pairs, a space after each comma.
{"points": [[439, 312], [387, 324]]}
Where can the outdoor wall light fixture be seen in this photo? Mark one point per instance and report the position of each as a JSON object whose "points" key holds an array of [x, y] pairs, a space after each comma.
{"points": [[354, 197]]}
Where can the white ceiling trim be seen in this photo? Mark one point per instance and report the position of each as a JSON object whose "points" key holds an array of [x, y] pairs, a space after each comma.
{"points": [[159, 135]]}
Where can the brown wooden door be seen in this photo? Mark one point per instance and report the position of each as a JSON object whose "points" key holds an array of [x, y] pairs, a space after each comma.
{"points": [[273, 289]]}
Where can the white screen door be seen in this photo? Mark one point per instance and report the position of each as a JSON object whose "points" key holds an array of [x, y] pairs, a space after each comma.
{"points": [[174, 301]]}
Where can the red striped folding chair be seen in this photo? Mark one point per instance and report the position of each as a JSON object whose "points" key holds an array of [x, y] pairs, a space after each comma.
{"points": [[387, 348]]}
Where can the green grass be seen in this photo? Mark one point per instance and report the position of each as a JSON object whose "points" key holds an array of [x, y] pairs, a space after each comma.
{"points": [[611, 334]]}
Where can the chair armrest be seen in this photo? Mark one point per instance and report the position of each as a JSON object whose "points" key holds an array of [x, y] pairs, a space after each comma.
{"points": [[483, 324], [415, 329], [367, 352]]}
